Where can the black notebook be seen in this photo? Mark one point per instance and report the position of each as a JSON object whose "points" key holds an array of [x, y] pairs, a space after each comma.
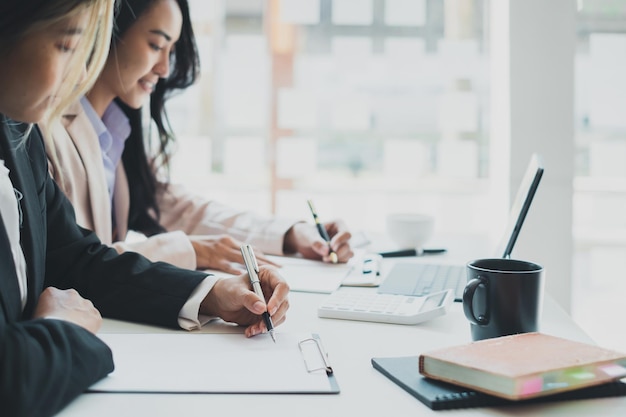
{"points": [[442, 396]]}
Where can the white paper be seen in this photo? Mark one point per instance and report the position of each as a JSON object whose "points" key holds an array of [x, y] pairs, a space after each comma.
{"points": [[216, 363], [305, 275]]}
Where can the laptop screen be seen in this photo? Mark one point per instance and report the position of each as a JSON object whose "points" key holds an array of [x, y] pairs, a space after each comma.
{"points": [[521, 204]]}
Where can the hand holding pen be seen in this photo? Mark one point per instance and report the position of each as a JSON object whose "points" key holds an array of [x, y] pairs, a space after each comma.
{"points": [[253, 272], [319, 240], [233, 300], [323, 233]]}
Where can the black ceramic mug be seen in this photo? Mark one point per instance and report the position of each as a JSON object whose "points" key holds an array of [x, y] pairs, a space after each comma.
{"points": [[502, 297]]}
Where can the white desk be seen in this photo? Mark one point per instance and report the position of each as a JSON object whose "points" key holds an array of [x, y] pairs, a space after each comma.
{"points": [[350, 345]]}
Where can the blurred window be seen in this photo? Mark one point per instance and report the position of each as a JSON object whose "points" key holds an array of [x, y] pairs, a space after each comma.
{"points": [[368, 106]]}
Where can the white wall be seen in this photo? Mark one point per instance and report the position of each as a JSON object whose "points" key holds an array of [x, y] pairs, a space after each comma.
{"points": [[532, 51]]}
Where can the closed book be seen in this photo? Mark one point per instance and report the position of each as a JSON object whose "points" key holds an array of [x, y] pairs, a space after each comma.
{"points": [[438, 395], [524, 366]]}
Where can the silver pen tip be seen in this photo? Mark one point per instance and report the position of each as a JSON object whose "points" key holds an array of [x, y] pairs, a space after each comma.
{"points": [[272, 335]]}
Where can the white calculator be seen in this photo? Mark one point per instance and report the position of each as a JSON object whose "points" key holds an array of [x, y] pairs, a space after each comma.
{"points": [[385, 308]]}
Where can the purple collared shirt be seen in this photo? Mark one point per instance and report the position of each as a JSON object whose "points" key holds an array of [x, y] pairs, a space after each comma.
{"points": [[112, 130]]}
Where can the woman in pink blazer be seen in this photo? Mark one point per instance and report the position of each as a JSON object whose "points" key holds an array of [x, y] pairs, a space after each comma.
{"points": [[98, 157]]}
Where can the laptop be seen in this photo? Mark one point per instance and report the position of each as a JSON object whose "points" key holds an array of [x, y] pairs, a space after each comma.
{"points": [[420, 279]]}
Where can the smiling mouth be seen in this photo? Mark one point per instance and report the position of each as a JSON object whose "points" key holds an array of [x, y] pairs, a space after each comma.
{"points": [[147, 85]]}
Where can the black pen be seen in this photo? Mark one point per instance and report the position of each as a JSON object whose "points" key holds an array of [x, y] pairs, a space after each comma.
{"points": [[322, 231], [410, 252], [253, 272]]}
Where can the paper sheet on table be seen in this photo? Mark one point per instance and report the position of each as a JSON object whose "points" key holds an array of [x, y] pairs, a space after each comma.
{"points": [[305, 275], [215, 363]]}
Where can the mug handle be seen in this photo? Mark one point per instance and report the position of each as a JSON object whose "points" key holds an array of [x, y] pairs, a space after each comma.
{"points": [[468, 297]]}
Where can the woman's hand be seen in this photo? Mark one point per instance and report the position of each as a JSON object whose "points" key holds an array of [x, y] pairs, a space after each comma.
{"points": [[304, 238], [221, 252]]}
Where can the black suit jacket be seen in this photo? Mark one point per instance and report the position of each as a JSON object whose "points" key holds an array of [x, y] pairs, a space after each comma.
{"points": [[44, 364]]}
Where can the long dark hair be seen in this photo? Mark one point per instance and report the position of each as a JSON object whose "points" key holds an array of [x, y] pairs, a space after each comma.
{"points": [[142, 167]]}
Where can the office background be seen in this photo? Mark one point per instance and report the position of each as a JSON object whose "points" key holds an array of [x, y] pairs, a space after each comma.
{"points": [[376, 106]]}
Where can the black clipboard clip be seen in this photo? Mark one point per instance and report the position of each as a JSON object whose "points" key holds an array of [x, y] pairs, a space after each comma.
{"points": [[320, 349]]}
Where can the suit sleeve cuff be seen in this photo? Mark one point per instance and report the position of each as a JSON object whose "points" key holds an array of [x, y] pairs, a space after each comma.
{"points": [[189, 317]]}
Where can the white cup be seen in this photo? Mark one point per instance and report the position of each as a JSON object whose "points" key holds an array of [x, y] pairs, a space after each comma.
{"points": [[410, 230]]}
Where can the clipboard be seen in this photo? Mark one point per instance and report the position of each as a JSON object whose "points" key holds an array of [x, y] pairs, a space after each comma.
{"points": [[218, 363]]}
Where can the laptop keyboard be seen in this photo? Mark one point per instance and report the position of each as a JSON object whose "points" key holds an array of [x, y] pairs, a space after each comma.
{"points": [[420, 279]]}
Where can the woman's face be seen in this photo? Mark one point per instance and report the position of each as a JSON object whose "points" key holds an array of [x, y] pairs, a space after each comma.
{"points": [[142, 55], [34, 68]]}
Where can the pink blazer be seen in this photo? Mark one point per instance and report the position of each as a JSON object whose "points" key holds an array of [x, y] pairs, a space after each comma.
{"points": [[75, 162]]}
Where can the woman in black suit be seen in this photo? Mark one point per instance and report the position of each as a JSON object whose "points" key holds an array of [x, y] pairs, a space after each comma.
{"points": [[56, 278]]}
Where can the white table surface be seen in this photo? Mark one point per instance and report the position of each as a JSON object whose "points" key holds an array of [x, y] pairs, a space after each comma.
{"points": [[350, 345]]}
